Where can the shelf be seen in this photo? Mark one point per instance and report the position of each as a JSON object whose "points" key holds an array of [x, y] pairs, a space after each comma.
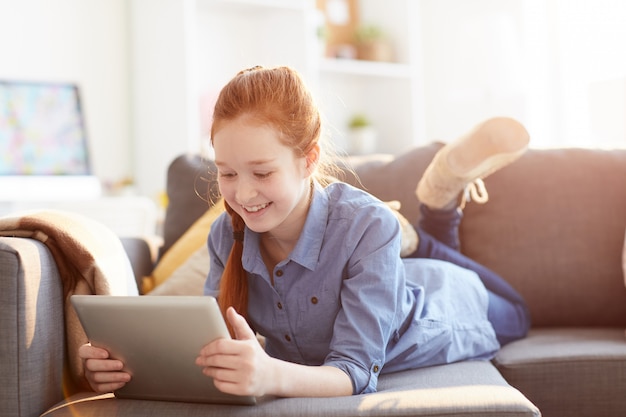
{"points": [[367, 68], [254, 6]]}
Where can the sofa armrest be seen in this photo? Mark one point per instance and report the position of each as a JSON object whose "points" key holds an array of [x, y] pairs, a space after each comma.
{"points": [[32, 328], [140, 256]]}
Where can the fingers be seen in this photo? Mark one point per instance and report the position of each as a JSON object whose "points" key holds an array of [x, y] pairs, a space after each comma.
{"points": [[232, 374], [220, 353], [103, 373], [103, 365], [228, 354], [97, 359], [228, 381], [91, 352], [226, 347], [102, 382], [236, 365]]}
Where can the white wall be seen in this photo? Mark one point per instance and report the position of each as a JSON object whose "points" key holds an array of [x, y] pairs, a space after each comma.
{"points": [[556, 65], [473, 63], [162, 71], [79, 41], [184, 51]]}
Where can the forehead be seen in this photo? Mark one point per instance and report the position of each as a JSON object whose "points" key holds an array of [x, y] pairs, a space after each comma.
{"points": [[243, 140]]}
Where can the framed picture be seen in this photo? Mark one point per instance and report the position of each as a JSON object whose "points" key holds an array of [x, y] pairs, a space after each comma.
{"points": [[42, 131]]}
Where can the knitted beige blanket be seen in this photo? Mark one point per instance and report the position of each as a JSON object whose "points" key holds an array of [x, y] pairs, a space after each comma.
{"points": [[90, 259]]}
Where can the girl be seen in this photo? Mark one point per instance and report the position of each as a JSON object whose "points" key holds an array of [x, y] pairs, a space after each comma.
{"points": [[315, 268]]}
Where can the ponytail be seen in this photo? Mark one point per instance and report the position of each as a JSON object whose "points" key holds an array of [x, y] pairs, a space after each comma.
{"points": [[234, 282]]}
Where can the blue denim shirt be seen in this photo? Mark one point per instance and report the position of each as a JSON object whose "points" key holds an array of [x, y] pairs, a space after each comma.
{"points": [[345, 298]]}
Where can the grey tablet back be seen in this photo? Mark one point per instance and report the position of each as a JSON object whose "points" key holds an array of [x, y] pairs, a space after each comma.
{"points": [[158, 338]]}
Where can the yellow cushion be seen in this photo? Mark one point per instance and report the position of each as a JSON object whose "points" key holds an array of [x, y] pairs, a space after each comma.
{"points": [[193, 240], [189, 278]]}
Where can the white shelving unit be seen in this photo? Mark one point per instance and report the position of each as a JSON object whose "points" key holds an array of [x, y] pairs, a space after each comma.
{"points": [[184, 51], [388, 93], [381, 70]]}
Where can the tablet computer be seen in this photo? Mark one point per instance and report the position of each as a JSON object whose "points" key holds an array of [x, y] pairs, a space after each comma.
{"points": [[158, 338]]}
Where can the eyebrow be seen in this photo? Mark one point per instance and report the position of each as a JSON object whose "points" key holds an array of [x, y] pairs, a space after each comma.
{"points": [[254, 162]]}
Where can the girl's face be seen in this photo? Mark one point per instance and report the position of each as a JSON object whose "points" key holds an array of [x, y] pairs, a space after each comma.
{"points": [[261, 179]]}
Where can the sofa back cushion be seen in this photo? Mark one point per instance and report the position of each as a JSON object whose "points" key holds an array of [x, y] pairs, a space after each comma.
{"points": [[191, 191], [553, 227]]}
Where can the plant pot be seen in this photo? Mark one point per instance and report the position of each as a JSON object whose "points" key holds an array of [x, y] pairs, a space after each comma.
{"points": [[375, 51], [362, 140]]}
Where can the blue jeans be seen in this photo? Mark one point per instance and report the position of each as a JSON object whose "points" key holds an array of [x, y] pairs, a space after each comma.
{"points": [[439, 239]]}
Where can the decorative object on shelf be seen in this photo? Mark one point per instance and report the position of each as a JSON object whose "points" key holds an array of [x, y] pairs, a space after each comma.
{"points": [[340, 21], [362, 136], [372, 43], [343, 51]]}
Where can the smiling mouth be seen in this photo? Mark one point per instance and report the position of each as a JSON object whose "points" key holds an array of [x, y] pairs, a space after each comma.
{"points": [[254, 209]]}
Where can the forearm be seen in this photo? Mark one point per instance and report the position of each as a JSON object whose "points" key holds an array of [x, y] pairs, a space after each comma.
{"points": [[294, 380]]}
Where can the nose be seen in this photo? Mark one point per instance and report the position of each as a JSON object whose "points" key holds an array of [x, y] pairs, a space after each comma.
{"points": [[245, 191]]}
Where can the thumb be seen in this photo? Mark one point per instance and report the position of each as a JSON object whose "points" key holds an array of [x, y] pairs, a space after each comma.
{"points": [[239, 325]]}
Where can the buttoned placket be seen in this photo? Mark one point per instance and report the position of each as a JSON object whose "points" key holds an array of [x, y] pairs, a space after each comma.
{"points": [[281, 313]]}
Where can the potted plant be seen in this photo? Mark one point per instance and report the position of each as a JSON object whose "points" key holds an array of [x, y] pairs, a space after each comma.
{"points": [[362, 135], [372, 43]]}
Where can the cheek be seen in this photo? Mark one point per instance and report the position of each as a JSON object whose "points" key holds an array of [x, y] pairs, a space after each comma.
{"points": [[226, 189], [290, 192]]}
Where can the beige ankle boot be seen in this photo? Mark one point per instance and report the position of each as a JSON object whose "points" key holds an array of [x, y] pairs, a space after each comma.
{"points": [[460, 166]]}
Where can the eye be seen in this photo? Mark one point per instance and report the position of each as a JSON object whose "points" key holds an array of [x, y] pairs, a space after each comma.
{"points": [[262, 175], [226, 175]]}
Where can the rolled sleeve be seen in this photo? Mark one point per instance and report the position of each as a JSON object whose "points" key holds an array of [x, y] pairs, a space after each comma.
{"points": [[363, 380]]}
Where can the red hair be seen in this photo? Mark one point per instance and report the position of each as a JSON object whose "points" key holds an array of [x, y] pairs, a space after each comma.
{"points": [[277, 97]]}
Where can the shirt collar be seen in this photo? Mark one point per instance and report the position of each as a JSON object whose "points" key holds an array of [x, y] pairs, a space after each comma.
{"points": [[307, 250], [309, 246]]}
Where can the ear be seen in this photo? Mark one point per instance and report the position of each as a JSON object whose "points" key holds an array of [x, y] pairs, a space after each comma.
{"points": [[312, 159]]}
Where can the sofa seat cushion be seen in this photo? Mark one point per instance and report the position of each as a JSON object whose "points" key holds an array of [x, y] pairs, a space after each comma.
{"points": [[460, 389], [569, 371]]}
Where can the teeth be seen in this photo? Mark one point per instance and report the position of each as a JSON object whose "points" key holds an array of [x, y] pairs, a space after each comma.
{"points": [[254, 209]]}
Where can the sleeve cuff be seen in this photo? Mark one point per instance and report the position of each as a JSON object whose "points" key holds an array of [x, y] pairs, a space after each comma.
{"points": [[364, 381]]}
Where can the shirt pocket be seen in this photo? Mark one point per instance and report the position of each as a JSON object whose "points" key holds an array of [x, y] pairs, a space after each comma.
{"points": [[315, 323]]}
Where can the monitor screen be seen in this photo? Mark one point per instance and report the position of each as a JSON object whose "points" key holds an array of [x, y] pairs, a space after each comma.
{"points": [[42, 130]]}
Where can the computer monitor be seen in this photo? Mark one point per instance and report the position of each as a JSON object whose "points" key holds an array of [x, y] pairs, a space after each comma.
{"points": [[44, 151]]}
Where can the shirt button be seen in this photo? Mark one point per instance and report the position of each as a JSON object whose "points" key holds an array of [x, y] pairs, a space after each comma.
{"points": [[279, 273], [279, 305], [314, 300], [376, 369], [288, 338]]}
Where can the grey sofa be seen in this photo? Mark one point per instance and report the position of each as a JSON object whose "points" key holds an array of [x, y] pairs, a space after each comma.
{"points": [[554, 227]]}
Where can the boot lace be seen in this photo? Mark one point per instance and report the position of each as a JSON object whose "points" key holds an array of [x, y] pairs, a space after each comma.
{"points": [[474, 191]]}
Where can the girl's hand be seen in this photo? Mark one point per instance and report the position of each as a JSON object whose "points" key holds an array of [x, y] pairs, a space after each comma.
{"points": [[239, 366], [103, 373]]}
